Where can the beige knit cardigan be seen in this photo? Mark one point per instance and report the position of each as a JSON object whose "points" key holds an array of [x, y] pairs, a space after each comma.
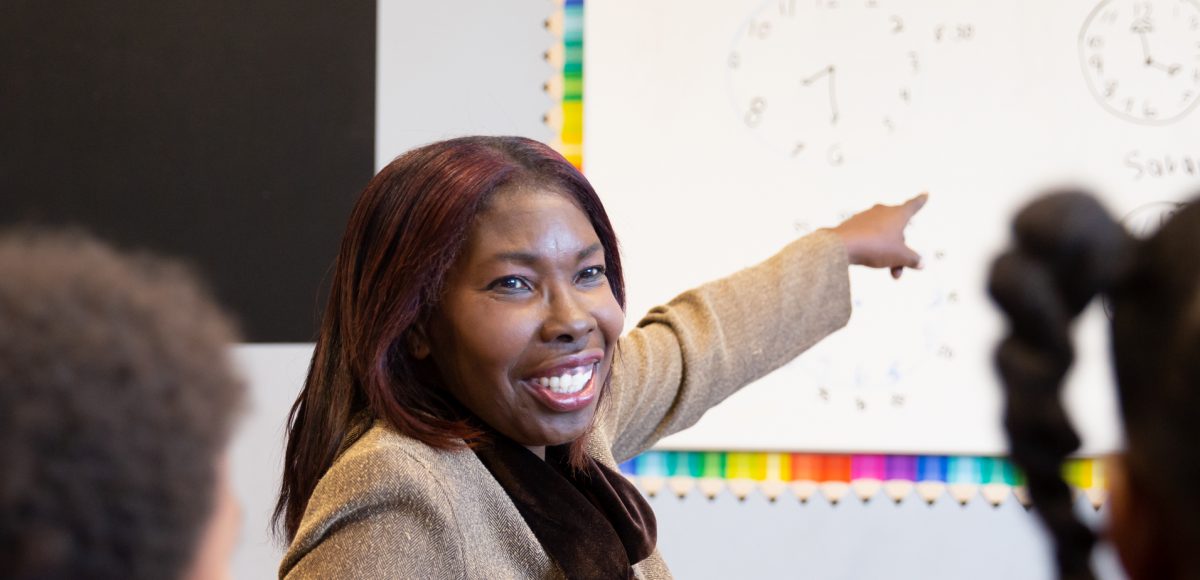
{"points": [[393, 507]]}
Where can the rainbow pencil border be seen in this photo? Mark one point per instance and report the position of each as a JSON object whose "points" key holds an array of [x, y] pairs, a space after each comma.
{"points": [[568, 119], [931, 478]]}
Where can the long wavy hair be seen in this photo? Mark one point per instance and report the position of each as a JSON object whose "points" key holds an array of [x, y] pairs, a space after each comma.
{"points": [[405, 232], [1068, 250]]}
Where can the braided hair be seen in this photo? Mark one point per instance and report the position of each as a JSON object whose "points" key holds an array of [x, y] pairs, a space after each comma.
{"points": [[1067, 250]]}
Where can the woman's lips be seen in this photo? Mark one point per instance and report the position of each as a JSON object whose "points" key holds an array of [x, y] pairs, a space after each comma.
{"points": [[569, 364], [565, 393]]}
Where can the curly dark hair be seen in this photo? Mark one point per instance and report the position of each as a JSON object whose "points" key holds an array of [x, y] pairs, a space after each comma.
{"points": [[117, 396], [1067, 250]]}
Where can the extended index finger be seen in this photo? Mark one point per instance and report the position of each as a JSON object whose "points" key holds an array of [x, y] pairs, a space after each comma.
{"points": [[915, 204]]}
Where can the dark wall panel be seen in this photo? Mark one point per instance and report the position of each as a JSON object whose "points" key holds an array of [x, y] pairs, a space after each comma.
{"points": [[235, 134]]}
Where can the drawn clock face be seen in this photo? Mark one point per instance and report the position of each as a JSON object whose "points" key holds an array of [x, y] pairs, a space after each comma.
{"points": [[1142, 58], [808, 89]]}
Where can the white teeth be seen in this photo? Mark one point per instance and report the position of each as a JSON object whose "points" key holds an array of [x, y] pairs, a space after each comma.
{"points": [[569, 382]]}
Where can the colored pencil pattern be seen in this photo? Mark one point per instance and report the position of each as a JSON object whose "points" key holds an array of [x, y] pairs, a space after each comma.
{"points": [[566, 116], [835, 477]]}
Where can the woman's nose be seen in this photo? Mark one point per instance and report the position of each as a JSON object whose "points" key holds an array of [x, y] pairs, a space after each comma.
{"points": [[567, 317]]}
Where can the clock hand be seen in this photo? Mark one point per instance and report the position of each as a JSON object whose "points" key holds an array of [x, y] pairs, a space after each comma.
{"points": [[1142, 28], [1169, 69], [833, 108], [826, 70], [831, 72], [1145, 47]]}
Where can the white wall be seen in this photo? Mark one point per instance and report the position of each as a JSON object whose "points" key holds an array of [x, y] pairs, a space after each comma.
{"points": [[275, 373]]}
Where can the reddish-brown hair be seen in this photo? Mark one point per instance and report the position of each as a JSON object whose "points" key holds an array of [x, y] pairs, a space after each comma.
{"points": [[405, 232]]}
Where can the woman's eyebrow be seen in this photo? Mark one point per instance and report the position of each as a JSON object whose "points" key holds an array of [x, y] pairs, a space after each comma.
{"points": [[518, 257], [529, 258], [588, 251]]}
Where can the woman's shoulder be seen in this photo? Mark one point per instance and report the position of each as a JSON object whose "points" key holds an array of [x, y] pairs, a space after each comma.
{"points": [[381, 468], [384, 456], [385, 492], [384, 467]]}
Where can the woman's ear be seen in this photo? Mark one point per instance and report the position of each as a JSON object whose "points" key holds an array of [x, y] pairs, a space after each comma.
{"points": [[418, 342]]}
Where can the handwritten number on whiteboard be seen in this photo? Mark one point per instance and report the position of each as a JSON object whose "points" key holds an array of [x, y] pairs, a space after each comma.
{"points": [[1148, 110], [754, 116], [759, 30], [835, 156]]}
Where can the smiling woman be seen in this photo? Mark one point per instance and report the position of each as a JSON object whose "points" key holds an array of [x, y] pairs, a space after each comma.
{"points": [[526, 319], [470, 394]]}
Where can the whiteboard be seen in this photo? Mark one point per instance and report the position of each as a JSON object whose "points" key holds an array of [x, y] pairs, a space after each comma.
{"points": [[717, 132]]}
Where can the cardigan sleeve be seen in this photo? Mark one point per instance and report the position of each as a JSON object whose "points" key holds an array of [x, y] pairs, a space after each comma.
{"points": [[690, 354], [366, 519]]}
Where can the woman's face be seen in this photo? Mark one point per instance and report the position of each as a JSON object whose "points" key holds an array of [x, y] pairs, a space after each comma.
{"points": [[525, 333]]}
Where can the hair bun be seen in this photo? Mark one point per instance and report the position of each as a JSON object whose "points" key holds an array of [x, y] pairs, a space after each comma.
{"points": [[1079, 242]]}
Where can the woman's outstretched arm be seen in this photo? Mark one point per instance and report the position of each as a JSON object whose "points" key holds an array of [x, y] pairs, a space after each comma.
{"points": [[690, 354]]}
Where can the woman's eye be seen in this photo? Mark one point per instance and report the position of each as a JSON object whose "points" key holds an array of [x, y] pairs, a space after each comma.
{"points": [[591, 274], [509, 283]]}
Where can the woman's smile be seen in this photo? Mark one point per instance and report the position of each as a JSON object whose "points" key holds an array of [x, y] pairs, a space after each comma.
{"points": [[568, 386]]}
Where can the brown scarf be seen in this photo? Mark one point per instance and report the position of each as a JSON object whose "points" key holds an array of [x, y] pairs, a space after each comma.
{"points": [[593, 523]]}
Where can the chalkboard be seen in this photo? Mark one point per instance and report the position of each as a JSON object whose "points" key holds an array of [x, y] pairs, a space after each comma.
{"points": [[234, 134], [717, 132]]}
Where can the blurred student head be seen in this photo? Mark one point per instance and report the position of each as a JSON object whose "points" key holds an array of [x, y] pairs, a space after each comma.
{"points": [[117, 398], [1067, 250]]}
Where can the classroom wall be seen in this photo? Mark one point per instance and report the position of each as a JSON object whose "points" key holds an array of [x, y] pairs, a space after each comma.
{"points": [[700, 538], [474, 66]]}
